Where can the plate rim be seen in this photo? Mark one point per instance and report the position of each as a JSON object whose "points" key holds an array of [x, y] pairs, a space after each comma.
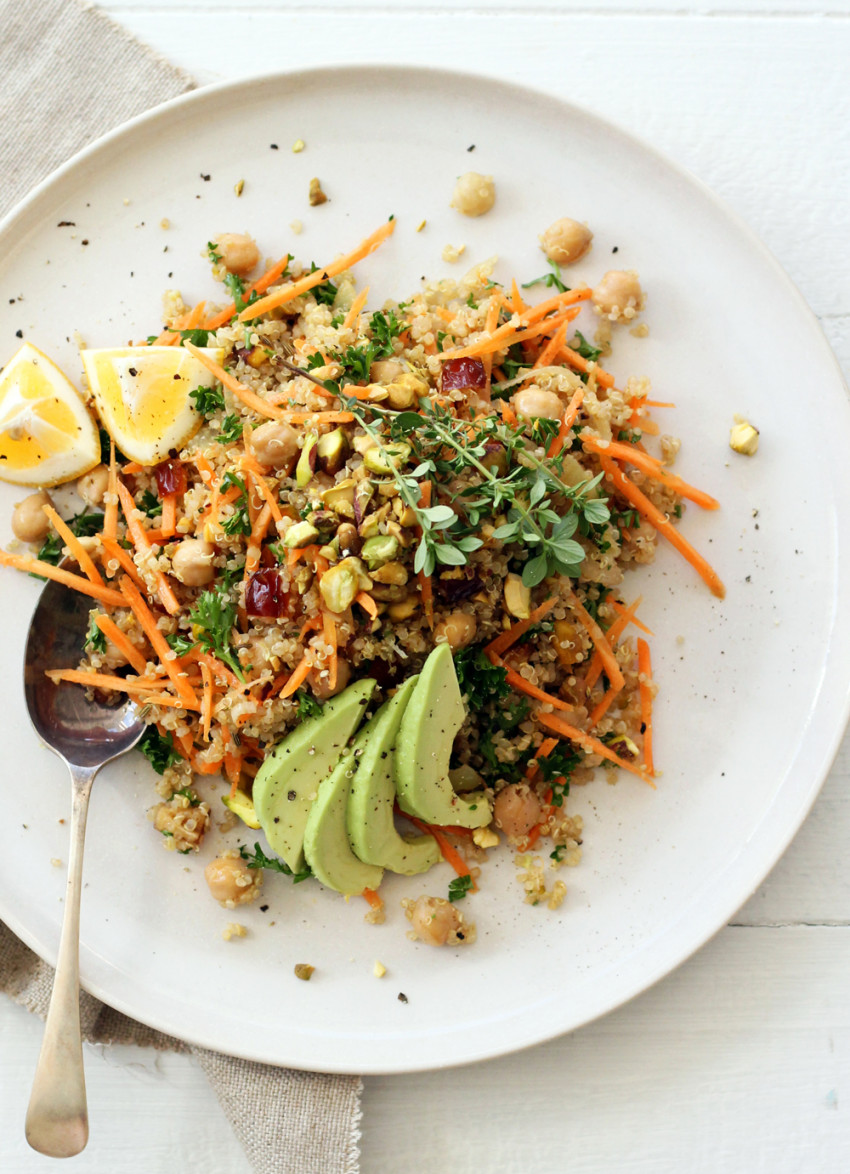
{"points": [[828, 743]]}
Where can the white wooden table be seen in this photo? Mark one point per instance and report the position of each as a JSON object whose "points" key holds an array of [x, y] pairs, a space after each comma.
{"points": [[740, 1061]]}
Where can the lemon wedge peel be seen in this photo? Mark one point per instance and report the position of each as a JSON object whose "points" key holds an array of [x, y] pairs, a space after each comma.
{"points": [[47, 434], [142, 395]]}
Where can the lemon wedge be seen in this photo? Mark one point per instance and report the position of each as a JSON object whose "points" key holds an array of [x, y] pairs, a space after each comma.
{"points": [[142, 396], [47, 434]]}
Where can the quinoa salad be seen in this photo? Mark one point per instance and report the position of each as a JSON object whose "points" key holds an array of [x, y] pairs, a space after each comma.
{"points": [[441, 497]]}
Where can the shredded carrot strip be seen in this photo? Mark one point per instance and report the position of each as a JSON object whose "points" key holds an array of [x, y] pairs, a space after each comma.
{"points": [[81, 555], [123, 558], [356, 306], [590, 744], [110, 512], [552, 347], [604, 705], [448, 852], [606, 652], [169, 515], [146, 619], [246, 394], [372, 898], [490, 326], [645, 671], [506, 336], [164, 699], [310, 625], [264, 491], [232, 760], [208, 473], [546, 748], [569, 419], [299, 676], [519, 682], [219, 670], [663, 525], [505, 639], [652, 467], [34, 566], [310, 280], [621, 610], [517, 304], [255, 538], [576, 361], [105, 681], [128, 650], [508, 414], [625, 617], [259, 286], [367, 603], [556, 303], [142, 545], [207, 700]]}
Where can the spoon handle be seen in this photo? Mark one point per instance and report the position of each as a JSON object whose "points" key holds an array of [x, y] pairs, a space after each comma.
{"points": [[57, 1116]]}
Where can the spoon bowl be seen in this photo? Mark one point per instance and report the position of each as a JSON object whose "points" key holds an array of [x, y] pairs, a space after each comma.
{"points": [[86, 734]]}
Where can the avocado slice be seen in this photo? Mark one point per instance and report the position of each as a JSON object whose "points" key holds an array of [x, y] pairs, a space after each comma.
{"points": [[371, 830], [288, 781], [433, 716], [326, 845]]}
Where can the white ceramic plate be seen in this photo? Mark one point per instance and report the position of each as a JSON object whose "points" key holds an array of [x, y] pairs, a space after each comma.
{"points": [[754, 690]]}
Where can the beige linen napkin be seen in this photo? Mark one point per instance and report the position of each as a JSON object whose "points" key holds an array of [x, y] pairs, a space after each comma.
{"points": [[68, 75]]}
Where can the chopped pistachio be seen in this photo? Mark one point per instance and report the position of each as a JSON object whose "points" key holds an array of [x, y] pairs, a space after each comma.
{"points": [[383, 460], [517, 597], [332, 450], [379, 550], [403, 609], [340, 584], [392, 572], [744, 438], [301, 534], [304, 468], [304, 971], [239, 187], [379, 970], [316, 195], [298, 146], [485, 838], [421, 226]]}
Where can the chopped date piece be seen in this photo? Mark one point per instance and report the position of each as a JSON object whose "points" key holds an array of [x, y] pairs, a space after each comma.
{"points": [[265, 595], [170, 478], [463, 375], [455, 588]]}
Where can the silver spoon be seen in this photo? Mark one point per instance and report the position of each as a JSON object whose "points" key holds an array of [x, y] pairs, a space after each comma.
{"points": [[86, 735]]}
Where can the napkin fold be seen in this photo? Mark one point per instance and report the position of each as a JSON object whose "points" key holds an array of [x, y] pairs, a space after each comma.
{"points": [[68, 74]]}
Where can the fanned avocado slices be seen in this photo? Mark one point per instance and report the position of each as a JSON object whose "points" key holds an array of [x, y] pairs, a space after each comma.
{"points": [[288, 781], [371, 829], [326, 845], [433, 716]]}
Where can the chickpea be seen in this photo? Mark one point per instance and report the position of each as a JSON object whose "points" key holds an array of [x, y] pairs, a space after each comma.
{"points": [[238, 251], [29, 521], [457, 630], [566, 241], [192, 562], [321, 685], [232, 882], [533, 402], [618, 295], [474, 194], [275, 445], [92, 486], [436, 922], [385, 370], [516, 810]]}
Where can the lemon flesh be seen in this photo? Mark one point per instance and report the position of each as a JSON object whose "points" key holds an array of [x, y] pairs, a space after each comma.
{"points": [[47, 434], [142, 395]]}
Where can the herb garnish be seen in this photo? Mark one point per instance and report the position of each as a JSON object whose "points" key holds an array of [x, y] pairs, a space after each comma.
{"points": [[83, 525], [308, 706], [258, 859], [214, 617], [231, 429], [238, 522], [479, 680], [551, 280], [459, 887], [95, 639], [582, 347], [208, 399], [158, 749], [189, 794]]}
